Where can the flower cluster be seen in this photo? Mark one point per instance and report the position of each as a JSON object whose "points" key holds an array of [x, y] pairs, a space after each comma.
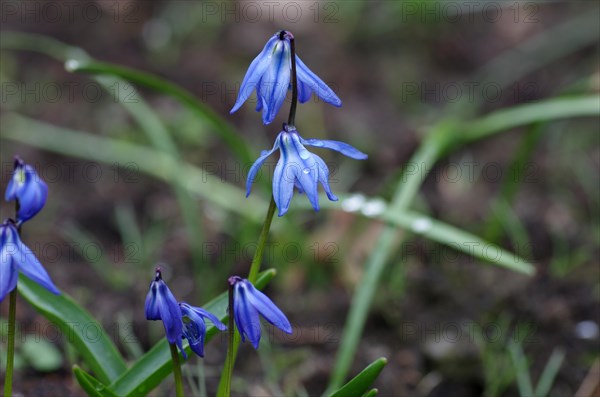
{"points": [[179, 319], [30, 193], [270, 74], [275, 71]]}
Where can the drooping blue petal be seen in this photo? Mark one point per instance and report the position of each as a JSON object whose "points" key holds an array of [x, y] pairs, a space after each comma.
{"points": [[245, 315], [304, 92], [33, 198], [324, 177], [322, 90], [255, 72], [267, 308], [275, 82], [305, 170], [11, 190], [195, 333], [17, 257], [170, 313], [151, 305], [256, 166], [214, 319], [283, 185], [30, 266], [344, 148], [8, 270], [194, 329]]}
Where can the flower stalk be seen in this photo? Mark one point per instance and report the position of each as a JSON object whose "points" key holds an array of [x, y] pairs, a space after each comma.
{"points": [[292, 115], [10, 354], [234, 338], [176, 370]]}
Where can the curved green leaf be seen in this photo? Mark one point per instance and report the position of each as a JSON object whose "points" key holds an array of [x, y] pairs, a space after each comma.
{"points": [[77, 60], [149, 371], [360, 384], [97, 350], [221, 127], [92, 386], [371, 393], [459, 240], [150, 161]]}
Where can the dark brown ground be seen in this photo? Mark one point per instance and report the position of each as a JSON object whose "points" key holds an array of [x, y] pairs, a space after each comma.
{"points": [[432, 301]]}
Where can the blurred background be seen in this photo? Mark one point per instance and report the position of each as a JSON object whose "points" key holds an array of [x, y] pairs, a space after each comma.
{"points": [[447, 322]]}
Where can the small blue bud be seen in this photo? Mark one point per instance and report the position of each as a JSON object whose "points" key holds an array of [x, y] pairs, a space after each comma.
{"points": [[248, 303], [162, 305], [28, 189]]}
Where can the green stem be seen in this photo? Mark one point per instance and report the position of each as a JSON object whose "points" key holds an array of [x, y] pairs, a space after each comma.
{"points": [[176, 371], [234, 336], [262, 240], [10, 354]]}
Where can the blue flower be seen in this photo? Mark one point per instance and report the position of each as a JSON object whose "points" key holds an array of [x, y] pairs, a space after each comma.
{"points": [[161, 305], [270, 73], [16, 257], [194, 329], [28, 189], [248, 302], [297, 167]]}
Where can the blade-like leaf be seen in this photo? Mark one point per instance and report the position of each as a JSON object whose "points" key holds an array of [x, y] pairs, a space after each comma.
{"points": [[150, 161], [92, 386], [220, 125], [149, 371], [360, 384], [98, 352], [371, 393], [459, 239]]}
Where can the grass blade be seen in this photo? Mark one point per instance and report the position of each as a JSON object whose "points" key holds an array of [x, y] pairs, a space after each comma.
{"points": [[458, 239], [360, 384], [152, 162], [92, 386], [550, 371], [221, 127], [521, 369], [99, 353]]}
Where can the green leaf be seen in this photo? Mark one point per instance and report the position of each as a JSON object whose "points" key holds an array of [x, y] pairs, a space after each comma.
{"points": [[550, 371], [149, 371], [77, 60], [79, 328], [92, 386], [360, 384], [460, 240], [520, 115], [226, 132], [150, 161]]}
